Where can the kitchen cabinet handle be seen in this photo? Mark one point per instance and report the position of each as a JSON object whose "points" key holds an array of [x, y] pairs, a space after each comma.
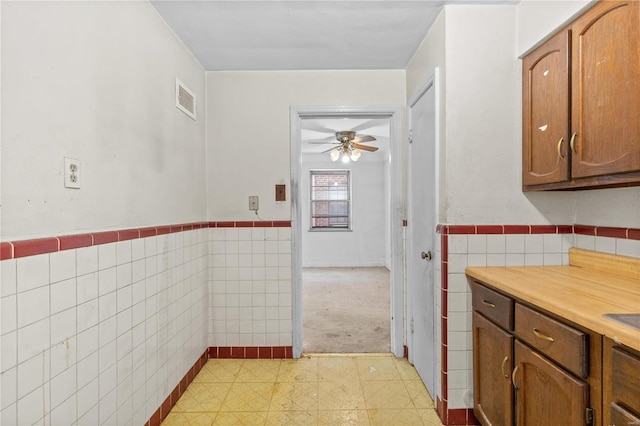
{"points": [[542, 336], [504, 362], [572, 142], [489, 304], [513, 377], [560, 155]]}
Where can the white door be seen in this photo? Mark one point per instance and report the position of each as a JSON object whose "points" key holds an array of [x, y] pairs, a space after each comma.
{"points": [[421, 235]]}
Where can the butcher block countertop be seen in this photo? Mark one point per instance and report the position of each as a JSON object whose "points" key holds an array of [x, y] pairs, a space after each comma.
{"points": [[594, 284]]}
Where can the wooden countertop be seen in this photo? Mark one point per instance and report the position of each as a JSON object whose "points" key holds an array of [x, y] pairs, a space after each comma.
{"points": [[594, 284]]}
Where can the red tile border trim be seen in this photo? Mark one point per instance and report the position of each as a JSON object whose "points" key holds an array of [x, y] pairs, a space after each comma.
{"points": [[23, 248], [250, 352], [504, 229], [171, 399]]}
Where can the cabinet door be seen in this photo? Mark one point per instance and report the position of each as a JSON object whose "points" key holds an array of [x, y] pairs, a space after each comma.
{"points": [[606, 90], [492, 365], [546, 394], [545, 112]]}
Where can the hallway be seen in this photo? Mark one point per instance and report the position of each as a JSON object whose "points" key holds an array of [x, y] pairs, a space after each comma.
{"points": [[314, 390]]}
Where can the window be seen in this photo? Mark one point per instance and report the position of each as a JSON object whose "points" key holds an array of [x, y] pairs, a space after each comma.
{"points": [[330, 199]]}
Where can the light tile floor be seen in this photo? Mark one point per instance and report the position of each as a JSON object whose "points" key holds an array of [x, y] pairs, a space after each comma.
{"points": [[313, 390]]}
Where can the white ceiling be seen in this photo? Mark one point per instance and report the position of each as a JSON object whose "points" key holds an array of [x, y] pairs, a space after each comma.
{"points": [[300, 35]]}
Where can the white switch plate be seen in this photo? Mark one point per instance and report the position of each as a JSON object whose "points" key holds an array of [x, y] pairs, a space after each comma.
{"points": [[253, 202], [71, 173]]}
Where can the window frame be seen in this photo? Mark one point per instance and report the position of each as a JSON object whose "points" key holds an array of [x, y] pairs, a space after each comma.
{"points": [[349, 213]]}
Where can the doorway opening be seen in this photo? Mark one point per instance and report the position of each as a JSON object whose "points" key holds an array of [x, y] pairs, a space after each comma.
{"points": [[351, 251]]}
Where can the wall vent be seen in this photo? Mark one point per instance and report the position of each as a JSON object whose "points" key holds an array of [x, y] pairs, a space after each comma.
{"points": [[185, 99]]}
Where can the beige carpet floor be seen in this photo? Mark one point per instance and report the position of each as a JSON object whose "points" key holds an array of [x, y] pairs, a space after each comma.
{"points": [[346, 310]]}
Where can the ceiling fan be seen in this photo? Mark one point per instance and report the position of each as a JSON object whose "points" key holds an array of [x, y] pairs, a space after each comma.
{"points": [[349, 146]]}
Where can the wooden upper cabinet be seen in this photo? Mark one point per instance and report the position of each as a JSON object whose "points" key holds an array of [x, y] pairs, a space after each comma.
{"points": [[581, 102], [545, 110], [605, 84]]}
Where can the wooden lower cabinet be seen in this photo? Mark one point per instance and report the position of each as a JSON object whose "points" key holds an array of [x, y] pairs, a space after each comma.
{"points": [[621, 385], [492, 366], [545, 393]]}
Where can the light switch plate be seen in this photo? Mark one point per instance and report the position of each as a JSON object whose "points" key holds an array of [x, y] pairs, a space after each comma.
{"points": [[253, 202]]}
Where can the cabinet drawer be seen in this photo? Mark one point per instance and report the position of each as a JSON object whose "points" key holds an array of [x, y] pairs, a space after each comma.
{"points": [[564, 344], [625, 379], [493, 305]]}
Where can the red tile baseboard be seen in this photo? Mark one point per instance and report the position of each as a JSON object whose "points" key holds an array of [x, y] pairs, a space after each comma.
{"points": [[250, 352], [171, 399], [23, 248]]}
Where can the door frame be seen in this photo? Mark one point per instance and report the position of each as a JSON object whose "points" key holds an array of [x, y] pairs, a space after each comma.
{"points": [[432, 81], [393, 113]]}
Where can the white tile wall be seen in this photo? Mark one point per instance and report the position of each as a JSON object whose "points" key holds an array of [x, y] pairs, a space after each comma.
{"points": [[102, 334], [250, 287], [500, 250]]}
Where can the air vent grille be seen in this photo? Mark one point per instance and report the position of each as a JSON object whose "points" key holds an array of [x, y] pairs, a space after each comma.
{"points": [[185, 99]]}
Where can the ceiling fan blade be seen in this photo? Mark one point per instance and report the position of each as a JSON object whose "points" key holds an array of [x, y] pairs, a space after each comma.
{"points": [[328, 150], [309, 125], [365, 147], [327, 141], [363, 139]]}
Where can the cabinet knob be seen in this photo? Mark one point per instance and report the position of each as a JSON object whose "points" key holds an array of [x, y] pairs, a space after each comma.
{"points": [[426, 256]]}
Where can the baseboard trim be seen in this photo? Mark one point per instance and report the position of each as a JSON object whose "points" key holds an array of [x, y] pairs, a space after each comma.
{"points": [[250, 352]]}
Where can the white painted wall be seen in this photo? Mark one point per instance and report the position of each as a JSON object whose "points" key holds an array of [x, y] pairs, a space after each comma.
{"points": [[537, 19], [95, 81], [365, 244], [483, 124], [248, 129]]}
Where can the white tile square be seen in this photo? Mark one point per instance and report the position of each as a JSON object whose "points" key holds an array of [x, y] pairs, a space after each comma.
{"points": [[534, 243], [567, 242], [476, 259], [514, 259], [124, 298], [8, 351], [150, 246], [533, 259], [63, 355], [87, 315], [9, 388], [87, 287], [33, 339], [107, 361], [32, 373], [87, 342], [552, 259], [63, 326], [87, 371], [86, 260], [626, 247], [32, 272], [9, 314], [514, 243], [138, 270], [457, 302], [124, 319], [606, 245], [552, 243], [33, 306], [107, 306], [107, 281], [496, 244], [63, 295], [8, 283], [496, 259], [587, 242], [123, 275], [106, 256], [63, 386], [137, 249], [457, 244], [62, 265], [107, 407], [9, 415], [477, 244], [107, 331], [457, 263], [65, 413], [31, 406], [91, 417], [231, 234], [123, 252]]}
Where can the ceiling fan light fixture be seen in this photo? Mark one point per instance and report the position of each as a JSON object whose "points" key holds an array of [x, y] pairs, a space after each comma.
{"points": [[345, 158], [355, 155], [335, 154]]}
